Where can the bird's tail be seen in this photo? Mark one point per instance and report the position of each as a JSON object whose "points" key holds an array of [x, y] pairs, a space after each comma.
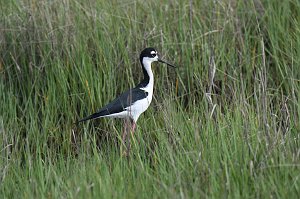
{"points": [[90, 117]]}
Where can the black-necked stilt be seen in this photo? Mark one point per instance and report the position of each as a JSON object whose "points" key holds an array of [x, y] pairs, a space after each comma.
{"points": [[132, 103]]}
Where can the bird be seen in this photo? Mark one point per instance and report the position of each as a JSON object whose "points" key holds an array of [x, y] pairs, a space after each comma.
{"points": [[133, 102]]}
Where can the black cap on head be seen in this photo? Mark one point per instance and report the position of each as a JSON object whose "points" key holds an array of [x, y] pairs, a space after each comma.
{"points": [[148, 52], [151, 53]]}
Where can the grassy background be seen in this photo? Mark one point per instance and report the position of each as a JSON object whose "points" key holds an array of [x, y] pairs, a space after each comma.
{"points": [[225, 123]]}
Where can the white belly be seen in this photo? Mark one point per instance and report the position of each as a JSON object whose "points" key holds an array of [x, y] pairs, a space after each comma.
{"points": [[135, 110], [138, 107]]}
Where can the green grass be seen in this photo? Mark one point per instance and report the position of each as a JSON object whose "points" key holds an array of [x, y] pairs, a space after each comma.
{"points": [[61, 60]]}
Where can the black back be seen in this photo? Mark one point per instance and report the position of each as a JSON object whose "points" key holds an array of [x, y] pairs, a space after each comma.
{"points": [[119, 104]]}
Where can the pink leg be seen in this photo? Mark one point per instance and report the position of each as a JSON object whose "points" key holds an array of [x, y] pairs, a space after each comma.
{"points": [[133, 127], [125, 131]]}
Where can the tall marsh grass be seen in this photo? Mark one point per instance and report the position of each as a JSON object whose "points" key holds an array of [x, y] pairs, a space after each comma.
{"points": [[224, 124]]}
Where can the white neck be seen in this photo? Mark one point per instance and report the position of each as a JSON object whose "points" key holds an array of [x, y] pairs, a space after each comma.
{"points": [[147, 66]]}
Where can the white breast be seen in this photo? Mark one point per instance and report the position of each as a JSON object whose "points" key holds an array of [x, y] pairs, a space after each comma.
{"points": [[140, 106]]}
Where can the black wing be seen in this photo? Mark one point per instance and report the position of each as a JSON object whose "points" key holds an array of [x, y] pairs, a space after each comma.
{"points": [[119, 104]]}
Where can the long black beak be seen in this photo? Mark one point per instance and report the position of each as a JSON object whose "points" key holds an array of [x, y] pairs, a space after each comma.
{"points": [[162, 61]]}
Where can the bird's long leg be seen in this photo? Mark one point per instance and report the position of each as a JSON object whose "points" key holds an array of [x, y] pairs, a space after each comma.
{"points": [[125, 131], [133, 126], [125, 139]]}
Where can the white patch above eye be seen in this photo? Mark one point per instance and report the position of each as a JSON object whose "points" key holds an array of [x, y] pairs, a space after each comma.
{"points": [[152, 52]]}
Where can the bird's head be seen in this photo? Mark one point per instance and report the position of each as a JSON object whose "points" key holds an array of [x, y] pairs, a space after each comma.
{"points": [[149, 55]]}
